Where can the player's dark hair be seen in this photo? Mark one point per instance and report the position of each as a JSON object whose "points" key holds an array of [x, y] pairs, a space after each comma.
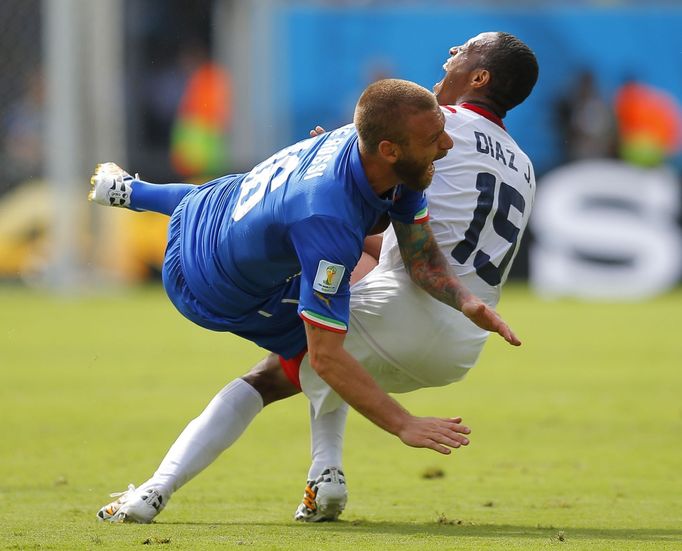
{"points": [[383, 109], [513, 70]]}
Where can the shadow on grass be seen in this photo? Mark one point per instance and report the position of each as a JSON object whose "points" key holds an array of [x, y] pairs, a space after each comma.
{"points": [[445, 527]]}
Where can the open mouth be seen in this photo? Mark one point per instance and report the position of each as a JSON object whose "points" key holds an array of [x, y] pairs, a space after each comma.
{"points": [[439, 84], [440, 155]]}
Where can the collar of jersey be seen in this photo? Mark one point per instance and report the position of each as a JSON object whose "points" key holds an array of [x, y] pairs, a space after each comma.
{"points": [[484, 113], [362, 182]]}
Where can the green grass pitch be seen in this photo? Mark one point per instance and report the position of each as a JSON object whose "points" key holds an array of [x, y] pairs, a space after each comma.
{"points": [[576, 436]]}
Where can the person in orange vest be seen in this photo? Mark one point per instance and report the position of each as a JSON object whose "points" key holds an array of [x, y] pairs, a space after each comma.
{"points": [[199, 138], [649, 124]]}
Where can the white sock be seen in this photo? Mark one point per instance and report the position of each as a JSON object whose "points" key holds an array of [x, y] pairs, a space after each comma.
{"points": [[206, 437], [326, 440]]}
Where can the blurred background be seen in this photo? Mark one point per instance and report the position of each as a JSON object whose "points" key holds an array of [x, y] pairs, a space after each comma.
{"points": [[181, 90]]}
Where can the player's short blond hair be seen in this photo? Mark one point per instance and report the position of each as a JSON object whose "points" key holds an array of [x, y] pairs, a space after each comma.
{"points": [[383, 110]]}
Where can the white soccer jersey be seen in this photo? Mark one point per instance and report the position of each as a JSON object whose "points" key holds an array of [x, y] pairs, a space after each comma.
{"points": [[480, 198], [479, 203]]}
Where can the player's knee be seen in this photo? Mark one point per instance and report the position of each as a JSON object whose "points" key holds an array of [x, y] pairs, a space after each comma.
{"points": [[269, 379]]}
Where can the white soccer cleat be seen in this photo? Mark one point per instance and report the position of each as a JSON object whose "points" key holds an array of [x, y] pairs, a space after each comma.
{"points": [[111, 186], [324, 498], [134, 505]]}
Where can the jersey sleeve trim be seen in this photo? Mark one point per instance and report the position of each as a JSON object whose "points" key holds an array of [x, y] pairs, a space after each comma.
{"points": [[323, 322], [422, 216]]}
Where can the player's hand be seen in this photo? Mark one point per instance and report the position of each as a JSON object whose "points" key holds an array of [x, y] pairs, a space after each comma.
{"points": [[436, 433], [317, 132], [486, 318]]}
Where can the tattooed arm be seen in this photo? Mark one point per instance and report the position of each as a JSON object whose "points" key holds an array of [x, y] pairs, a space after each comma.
{"points": [[429, 269]]}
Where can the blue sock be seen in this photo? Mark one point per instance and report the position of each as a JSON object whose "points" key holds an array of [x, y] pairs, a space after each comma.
{"points": [[162, 198]]}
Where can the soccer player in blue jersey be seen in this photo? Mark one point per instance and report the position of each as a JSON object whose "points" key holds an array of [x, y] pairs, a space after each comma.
{"points": [[256, 253]]}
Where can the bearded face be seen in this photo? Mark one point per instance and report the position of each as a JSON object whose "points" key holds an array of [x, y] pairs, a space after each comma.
{"points": [[425, 143], [416, 174]]}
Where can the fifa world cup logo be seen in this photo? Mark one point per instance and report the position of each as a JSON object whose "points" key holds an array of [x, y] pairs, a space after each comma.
{"points": [[331, 270]]}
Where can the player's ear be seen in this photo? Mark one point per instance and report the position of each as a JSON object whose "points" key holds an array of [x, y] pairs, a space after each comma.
{"points": [[479, 78], [389, 151]]}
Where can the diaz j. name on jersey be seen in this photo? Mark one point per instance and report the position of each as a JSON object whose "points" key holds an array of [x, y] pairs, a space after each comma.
{"points": [[480, 197], [298, 218]]}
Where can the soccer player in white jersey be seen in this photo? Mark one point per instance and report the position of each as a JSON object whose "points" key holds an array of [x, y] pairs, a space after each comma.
{"points": [[480, 202]]}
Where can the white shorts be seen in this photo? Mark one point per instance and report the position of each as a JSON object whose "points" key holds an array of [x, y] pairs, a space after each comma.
{"points": [[403, 337]]}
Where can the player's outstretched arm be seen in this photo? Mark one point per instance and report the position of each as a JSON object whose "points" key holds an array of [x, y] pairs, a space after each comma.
{"points": [[349, 379], [435, 433], [429, 269]]}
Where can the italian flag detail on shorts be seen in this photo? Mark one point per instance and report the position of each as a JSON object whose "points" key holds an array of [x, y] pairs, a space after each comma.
{"points": [[324, 322]]}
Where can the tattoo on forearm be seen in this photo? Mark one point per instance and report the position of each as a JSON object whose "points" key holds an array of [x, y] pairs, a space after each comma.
{"points": [[426, 264]]}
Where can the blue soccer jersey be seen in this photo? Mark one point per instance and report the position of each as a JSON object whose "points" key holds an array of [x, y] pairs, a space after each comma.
{"points": [[256, 249]]}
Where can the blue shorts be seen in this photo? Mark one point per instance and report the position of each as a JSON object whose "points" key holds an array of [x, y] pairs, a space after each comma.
{"points": [[270, 322]]}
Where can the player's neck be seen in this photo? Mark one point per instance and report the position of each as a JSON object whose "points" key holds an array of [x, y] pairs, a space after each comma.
{"points": [[484, 105], [379, 173], [491, 116]]}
